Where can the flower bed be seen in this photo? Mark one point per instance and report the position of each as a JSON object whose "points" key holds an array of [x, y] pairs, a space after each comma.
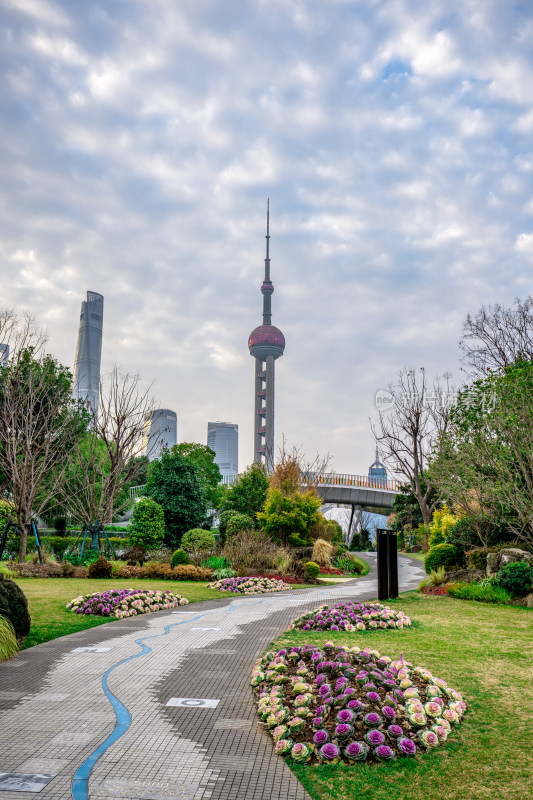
{"points": [[275, 577], [351, 617], [330, 571], [121, 603], [249, 585], [438, 590], [348, 705]]}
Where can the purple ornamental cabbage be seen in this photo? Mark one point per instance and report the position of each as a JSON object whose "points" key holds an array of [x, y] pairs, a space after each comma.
{"points": [[321, 737], [374, 737], [406, 746], [329, 752], [384, 753]]}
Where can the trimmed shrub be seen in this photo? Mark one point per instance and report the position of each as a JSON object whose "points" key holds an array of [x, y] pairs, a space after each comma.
{"points": [[147, 527], [101, 568], [322, 552], [311, 570], [183, 572], [188, 572], [8, 641], [442, 555], [179, 557], [516, 578], [237, 523], [198, 541], [14, 606]]}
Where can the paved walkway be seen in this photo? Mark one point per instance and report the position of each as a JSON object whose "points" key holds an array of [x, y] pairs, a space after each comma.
{"points": [[99, 720]]}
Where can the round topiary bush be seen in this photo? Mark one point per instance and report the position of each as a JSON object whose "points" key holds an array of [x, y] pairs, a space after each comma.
{"points": [[237, 523], [101, 568], [179, 557], [14, 606], [442, 555], [516, 578], [198, 541], [311, 570]]}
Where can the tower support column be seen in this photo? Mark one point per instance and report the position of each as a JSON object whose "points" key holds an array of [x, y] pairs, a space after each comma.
{"points": [[269, 433], [258, 418]]}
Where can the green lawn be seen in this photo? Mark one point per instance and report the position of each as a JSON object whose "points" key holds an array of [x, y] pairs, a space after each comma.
{"points": [[419, 556], [485, 652], [47, 598]]}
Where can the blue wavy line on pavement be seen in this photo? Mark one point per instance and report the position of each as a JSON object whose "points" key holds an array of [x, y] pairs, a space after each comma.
{"points": [[80, 781]]}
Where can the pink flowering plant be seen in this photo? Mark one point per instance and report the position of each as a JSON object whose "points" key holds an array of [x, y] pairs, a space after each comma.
{"points": [[346, 705], [351, 617], [120, 603], [249, 585]]}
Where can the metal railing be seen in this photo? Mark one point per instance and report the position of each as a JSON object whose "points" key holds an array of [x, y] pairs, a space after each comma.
{"points": [[327, 479]]}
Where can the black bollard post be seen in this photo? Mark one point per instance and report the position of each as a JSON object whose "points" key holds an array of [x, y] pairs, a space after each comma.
{"points": [[392, 563], [382, 559]]}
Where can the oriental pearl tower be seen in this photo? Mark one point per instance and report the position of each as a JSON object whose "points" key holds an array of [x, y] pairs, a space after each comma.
{"points": [[266, 343]]}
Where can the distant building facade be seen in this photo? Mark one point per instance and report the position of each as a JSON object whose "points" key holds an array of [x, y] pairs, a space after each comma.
{"points": [[223, 438], [89, 351], [160, 432], [4, 354], [377, 471]]}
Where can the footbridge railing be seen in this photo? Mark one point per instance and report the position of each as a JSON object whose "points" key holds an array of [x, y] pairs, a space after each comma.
{"points": [[311, 478]]}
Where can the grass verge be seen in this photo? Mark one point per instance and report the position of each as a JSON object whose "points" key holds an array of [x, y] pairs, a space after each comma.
{"points": [[483, 651]]}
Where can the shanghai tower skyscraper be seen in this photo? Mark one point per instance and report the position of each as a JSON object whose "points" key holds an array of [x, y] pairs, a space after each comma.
{"points": [[266, 343], [89, 351]]}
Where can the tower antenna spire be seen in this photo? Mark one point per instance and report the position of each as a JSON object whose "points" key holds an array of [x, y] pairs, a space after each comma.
{"points": [[267, 237]]}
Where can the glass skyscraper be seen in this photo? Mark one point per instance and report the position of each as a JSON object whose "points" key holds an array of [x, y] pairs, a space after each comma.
{"points": [[223, 438], [89, 352], [160, 431]]}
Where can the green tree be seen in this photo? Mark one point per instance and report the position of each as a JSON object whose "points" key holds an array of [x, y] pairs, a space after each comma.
{"points": [[484, 463], [248, 494], [147, 526], [175, 483], [203, 459], [288, 518]]}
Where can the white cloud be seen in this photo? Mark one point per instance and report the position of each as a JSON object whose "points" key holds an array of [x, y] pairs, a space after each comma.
{"points": [[140, 148]]}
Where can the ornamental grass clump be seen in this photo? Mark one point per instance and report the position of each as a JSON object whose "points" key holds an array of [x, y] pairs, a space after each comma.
{"points": [[351, 617], [249, 585], [119, 603], [347, 705]]}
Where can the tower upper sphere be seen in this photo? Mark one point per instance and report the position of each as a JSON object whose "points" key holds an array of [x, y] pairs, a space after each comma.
{"points": [[266, 340]]}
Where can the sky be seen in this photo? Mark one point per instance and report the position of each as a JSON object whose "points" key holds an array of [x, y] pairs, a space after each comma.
{"points": [[140, 140]]}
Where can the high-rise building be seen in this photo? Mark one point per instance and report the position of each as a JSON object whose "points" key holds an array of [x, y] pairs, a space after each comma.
{"points": [[377, 471], [223, 438], [89, 351], [266, 344], [4, 354], [160, 431]]}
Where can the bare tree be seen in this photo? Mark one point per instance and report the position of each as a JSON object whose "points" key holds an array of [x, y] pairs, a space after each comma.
{"points": [[105, 460], [409, 429], [296, 471], [496, 337], [38, 422]]}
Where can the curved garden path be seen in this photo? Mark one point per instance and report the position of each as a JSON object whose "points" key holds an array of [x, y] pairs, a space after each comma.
{"points": [[99, 721]]}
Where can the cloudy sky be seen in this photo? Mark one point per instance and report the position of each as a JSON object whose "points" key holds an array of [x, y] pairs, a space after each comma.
{"points": [[140, 140]]}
